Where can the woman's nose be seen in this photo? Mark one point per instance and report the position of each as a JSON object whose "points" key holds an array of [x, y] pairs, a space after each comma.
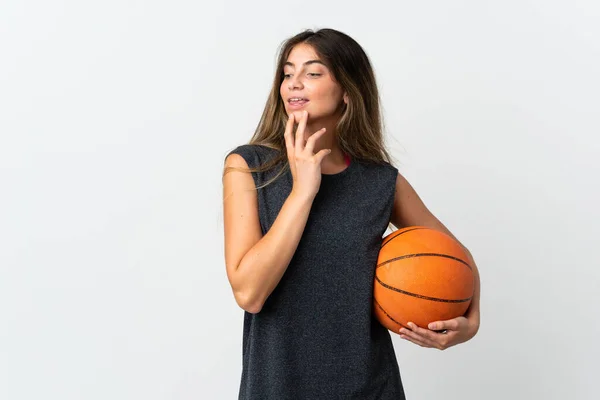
{"points": [[294, 83]]}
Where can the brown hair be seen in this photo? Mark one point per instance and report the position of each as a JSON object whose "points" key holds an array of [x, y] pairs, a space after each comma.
{"points": [[359, 130]]}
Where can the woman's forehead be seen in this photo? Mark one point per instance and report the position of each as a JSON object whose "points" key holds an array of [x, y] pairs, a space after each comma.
{"points": [[302, 52]]}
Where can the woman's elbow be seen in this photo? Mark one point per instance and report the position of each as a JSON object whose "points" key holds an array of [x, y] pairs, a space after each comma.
{"points": [[248, 302]]}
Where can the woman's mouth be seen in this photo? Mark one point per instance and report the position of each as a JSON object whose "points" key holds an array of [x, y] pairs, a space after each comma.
{"points": [[297, 102]]}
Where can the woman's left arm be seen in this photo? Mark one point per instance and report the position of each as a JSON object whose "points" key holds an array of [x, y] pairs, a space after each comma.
{"points": [[409, 210]]}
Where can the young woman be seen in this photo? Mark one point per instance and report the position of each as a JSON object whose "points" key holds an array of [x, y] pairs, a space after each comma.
{"points": [[306, 203]]}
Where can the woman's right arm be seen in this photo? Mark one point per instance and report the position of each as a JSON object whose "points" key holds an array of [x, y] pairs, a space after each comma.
{"points": [[256, 263]]}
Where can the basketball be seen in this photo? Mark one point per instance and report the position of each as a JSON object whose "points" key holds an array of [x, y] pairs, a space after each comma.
{"points": [[422, 275]]}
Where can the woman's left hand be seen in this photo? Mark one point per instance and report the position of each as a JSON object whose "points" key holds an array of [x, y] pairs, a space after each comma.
{"points": [[456, 330]]}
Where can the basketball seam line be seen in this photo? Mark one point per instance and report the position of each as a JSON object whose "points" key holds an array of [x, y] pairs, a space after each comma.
{"points": [[388, 315], [425, 255], [420, 296], [400, 234]]}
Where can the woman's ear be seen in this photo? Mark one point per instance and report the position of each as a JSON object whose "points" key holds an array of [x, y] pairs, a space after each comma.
{"points": [[345, 98]]}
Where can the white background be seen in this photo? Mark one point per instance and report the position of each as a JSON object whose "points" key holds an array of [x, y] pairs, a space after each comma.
{"points": [[115, 118]]}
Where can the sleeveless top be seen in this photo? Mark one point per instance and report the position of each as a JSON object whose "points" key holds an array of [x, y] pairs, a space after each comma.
{"points": [[316, 336]]}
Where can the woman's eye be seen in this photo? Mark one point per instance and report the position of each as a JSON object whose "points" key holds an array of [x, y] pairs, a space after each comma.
{"points": [[310, 73]]}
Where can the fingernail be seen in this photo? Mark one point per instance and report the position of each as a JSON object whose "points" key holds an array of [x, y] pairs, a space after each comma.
{"points": [[432, 326]]}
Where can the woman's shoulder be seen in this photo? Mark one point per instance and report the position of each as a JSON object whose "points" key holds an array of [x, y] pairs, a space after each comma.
{"points": [[254, 149], [380, 165], [255, 154]]}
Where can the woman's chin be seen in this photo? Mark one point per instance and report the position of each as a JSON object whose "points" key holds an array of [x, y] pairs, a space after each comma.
{"points": [[312, 114], [298, 112]]}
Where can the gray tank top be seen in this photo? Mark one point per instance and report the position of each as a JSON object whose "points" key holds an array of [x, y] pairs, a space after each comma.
{"points": [[316, 336]]}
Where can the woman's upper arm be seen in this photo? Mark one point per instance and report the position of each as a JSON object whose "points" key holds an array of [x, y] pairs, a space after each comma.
{"points": [[240, 214], [409, 209]]}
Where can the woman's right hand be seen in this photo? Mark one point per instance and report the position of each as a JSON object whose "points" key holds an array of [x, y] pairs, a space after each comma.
{"points": [[304, 165]]}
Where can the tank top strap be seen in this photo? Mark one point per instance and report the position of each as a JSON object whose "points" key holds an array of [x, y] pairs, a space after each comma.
{"points": [[347, 159]]}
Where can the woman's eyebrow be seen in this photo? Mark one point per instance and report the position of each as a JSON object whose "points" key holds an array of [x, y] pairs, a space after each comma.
{"points": [[306, 63]]}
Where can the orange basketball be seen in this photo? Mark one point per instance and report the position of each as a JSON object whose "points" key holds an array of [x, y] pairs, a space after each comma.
{"points": [[422, 276]]}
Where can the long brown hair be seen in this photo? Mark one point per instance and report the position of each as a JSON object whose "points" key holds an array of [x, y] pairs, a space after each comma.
{"points": [[359, 130]]}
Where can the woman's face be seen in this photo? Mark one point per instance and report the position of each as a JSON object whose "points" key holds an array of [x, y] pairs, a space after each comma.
{"points": [[311, 81]]}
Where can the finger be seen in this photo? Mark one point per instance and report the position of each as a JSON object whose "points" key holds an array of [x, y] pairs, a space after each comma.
{"points": [[451, 324], [300, 132], [440, 341], [425, 333], [289, 143], [415, 341], [312, 140], [417, 337], [423, 341], [437, 326], [322, 154]]}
